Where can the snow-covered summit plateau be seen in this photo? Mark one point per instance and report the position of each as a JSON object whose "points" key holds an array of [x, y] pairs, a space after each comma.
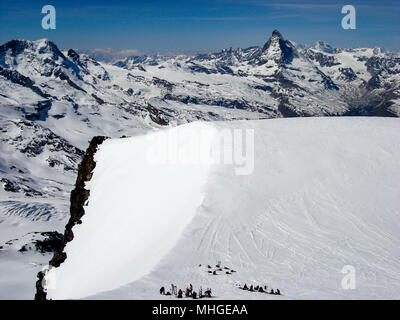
{"points": [[323, 195]]}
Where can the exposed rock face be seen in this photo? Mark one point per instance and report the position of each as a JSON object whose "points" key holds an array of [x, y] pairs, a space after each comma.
{"points": [[78, 198], [278, 49], [40, 293], [19, 46], [43, 242], [73, 55], [156, 115], [50, 243], [17, 78], [347, 74], [323, 59], [38, 242]]}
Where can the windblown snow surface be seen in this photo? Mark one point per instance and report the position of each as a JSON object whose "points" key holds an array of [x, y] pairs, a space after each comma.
{"points": [[324, 194]]}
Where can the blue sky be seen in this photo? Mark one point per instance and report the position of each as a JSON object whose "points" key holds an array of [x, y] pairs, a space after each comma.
{"points": [[199, 25]]}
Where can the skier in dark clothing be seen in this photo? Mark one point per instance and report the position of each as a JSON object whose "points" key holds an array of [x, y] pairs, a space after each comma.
{"points": [[278, 292], [180, 293], [162, 290], [251, 288], [245, 287], [260, 289], [194, 295], [272, 291]]}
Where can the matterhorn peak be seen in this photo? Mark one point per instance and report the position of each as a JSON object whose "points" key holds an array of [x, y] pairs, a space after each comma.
{"points": [[277, 34], [278, 49]]}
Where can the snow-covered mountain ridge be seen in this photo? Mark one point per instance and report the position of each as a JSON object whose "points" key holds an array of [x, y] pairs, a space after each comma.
{"points": [[76, 97], [320, 80], [310, 208]]}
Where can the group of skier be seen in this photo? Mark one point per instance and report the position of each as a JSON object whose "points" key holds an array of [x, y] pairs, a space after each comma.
{"points": [[189, 292], [262, 289], [219, 269]]}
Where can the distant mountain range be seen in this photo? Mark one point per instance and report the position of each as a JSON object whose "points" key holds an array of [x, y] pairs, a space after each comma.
{"points": [[52, 102]]}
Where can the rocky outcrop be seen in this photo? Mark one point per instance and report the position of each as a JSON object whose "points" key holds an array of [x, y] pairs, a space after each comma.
{"points": [[156, 116], [79, 196], [16, 77], [323, 59], [41, 242]]}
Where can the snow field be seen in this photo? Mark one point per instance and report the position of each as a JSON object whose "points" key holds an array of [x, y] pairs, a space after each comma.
{"points": [[323, 195]]}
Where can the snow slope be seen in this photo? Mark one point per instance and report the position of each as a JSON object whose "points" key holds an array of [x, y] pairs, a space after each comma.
{"points": [[19, 269], [323, 195]]}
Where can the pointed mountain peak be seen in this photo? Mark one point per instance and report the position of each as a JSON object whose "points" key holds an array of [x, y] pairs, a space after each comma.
{"points": [[277, 34], [278, 49]]}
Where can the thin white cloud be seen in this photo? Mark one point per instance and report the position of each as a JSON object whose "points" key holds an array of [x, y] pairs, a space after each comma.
{"points": [[109, 55], [322, 5], [273, 16], [208, 18], [302, 5]]}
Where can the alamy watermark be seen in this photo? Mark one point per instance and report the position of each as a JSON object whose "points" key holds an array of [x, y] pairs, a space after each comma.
{"points": [[49, 20], [349, 280], [205, 146], [349, 20]]}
